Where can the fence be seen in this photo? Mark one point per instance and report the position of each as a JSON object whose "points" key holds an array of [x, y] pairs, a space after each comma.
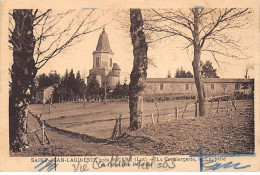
{"points": [[190, 109], [117, 128], [41, 128]]}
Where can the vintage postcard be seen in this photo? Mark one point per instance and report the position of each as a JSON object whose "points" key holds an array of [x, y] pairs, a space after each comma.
{"points": [[144, 86]]}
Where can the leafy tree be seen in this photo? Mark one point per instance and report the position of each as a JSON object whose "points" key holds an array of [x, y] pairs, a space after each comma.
{"points": [[56, 96], [93, 89], [169, 75], [44, 80], [118, 91], [245, 86], [208, 71], [189, 74], [71, 87], [125, 90], [180, 73]]}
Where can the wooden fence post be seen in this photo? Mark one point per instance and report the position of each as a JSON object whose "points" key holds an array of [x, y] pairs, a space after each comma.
{"points": [[152, 118], [114, 130], [210, 106], [43, 131], [196, 109], [120, 127], [234, 103], [184, 110], [84, 102], [218, 105], [141, 114], [50, 106], [176, 113], [227, 106], [158, 112]]}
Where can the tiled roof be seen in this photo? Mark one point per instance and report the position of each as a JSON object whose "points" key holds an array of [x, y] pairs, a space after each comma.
{"points": [[206, 80], [115, 67], [103, 43]]}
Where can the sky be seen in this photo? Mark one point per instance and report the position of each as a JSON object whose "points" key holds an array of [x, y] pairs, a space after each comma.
{"points": [[166, 54]]}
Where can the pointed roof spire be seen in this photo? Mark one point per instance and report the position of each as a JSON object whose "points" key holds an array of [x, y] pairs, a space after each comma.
{"points": [[103, 43]]}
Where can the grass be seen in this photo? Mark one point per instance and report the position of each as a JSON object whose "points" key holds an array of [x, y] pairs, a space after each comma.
{"points": [[218, 133]]}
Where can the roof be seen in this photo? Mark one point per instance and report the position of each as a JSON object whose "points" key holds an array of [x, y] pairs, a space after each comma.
{"points": [[103, 43], [205, 80], [115, 67], [112, 74]]}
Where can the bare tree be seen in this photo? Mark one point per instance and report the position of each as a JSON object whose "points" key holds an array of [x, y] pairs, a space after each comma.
{"points": [[139, 72], [203, 30], [248, 67], [36, 37]]}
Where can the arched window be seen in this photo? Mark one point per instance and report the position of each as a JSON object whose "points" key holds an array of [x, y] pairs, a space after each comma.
{"points": [[110, 62], [97, 62]]}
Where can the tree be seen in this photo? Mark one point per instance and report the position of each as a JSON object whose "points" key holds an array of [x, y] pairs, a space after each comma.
{"points": [[36, 37], [169, 75], [248, 67], [139, 71], [93, 88], [189, 74], [118, 91], [180, 73], [44, 80], [202, 30], [125, 90], [208, 71]]}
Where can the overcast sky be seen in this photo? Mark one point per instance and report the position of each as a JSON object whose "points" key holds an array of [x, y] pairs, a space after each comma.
{"points": [[167, 55]]}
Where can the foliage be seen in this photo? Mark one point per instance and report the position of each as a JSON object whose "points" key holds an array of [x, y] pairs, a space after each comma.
{"points": [[245, 86], [208, 71], [67, 87], [44, 80], [93, 88], [169, 75], [181, 73]]}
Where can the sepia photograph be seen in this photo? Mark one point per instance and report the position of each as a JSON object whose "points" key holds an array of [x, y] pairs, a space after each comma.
{"points": [[132, 82]]}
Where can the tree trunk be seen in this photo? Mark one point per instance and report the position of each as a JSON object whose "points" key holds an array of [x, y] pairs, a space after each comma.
{"points": [[23, 73], [196, 65], [139, 72]]}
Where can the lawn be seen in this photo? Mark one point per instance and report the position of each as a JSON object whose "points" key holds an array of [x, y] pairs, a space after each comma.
{"points": [[218, 133]]}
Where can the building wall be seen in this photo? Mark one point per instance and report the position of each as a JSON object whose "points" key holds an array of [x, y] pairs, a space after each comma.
{"points": [[44, 95], [47, 94], [104, 60], [188, 87], [112, 81]]}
